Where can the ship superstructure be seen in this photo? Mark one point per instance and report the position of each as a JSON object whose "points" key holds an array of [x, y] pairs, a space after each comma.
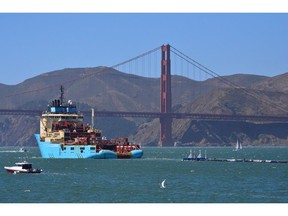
{"points": [[63, 134]]}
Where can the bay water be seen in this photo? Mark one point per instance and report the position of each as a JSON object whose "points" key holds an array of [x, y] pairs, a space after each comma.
{"points": [[138, 180]]}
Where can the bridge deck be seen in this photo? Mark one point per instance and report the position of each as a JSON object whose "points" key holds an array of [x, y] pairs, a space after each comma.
{"points": [[195, 116]]}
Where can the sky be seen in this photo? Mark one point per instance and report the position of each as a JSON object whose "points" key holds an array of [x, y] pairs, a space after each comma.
{"points": [[227, 43]]}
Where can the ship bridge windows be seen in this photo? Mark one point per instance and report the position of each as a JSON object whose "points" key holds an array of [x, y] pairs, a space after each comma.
{"points": [[98, 135], [63, 117]]}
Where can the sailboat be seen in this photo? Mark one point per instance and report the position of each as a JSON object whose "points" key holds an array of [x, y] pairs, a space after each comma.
{"points": [[238, 146], [194, 157], [162, 185]]}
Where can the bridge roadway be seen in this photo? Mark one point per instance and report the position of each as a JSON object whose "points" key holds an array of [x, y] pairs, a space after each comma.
{"points": [[195, 116]]}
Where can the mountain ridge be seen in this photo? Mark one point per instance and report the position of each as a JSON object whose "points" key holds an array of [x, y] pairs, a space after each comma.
{"points": [[105, 88]]}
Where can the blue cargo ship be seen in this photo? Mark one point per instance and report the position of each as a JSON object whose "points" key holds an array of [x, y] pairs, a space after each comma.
{"points": [[63, 134]]}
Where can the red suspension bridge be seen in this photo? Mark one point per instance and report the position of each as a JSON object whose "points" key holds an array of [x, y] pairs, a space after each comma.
{"points": [[165, 113]]}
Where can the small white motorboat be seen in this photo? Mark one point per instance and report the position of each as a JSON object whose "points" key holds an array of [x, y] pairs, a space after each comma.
{"points": [[22, 149], [22, 167]]}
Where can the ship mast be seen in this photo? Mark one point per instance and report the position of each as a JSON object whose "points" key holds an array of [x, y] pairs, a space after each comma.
{"points": [[62, 95], [92, 119]]}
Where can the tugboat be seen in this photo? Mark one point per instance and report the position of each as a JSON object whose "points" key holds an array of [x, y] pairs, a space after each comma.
{"points": [[63, 134], [22, 167]]}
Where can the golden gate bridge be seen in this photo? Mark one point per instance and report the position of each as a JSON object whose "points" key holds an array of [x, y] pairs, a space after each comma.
{"points": [[165, 113]]}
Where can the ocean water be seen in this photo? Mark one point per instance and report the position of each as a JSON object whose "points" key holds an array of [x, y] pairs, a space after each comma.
{"points": [[138, 181]]}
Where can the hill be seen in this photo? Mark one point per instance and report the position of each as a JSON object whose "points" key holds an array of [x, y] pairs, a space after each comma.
{"points": [[107, 89], [225, 133], [273, 84]]}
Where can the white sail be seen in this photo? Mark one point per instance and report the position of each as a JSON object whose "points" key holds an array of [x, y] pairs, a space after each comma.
{"points": [[238, 145], [190, 155], [162, 185], [199, 155]]}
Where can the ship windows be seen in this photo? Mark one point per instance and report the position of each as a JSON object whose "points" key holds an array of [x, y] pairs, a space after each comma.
{"points": [[72, 148], [92, 148], [98, 134], [82, 149]]}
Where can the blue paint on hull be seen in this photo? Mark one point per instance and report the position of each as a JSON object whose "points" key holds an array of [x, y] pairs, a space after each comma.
{"points": [[136, 154], [49, 150], [54, 150]]}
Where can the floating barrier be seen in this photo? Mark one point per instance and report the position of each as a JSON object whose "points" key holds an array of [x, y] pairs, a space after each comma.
{"points": [[236, 160], [199, 157]]}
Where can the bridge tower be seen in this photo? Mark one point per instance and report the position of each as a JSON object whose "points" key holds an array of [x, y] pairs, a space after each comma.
{"points": [[165, 98]]}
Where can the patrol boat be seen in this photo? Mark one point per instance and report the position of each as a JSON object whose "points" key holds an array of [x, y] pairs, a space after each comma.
{"points": [[63, 134]]}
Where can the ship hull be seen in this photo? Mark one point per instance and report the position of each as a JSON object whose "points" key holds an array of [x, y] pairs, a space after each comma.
{"points": [[49, 150], [54, 150]]}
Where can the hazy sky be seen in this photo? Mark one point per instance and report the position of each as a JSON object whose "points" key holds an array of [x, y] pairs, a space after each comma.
{"points": [[227, 43]]}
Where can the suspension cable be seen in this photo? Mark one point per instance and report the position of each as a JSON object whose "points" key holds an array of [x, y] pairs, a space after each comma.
{"points": [[228, 82], [101, 70]]}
